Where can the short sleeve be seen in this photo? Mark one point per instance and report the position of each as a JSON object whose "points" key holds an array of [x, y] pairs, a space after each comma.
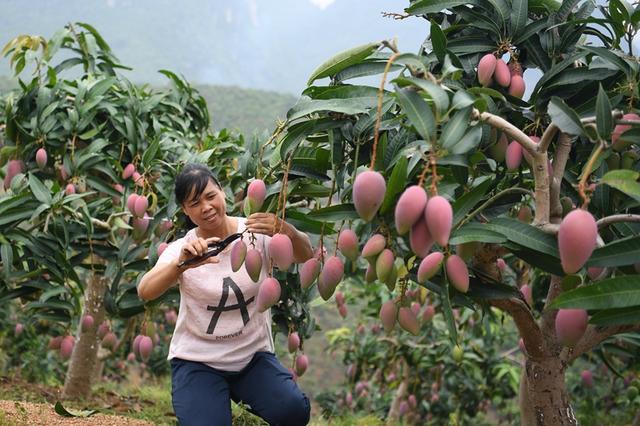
{"points": [[171, 253]]}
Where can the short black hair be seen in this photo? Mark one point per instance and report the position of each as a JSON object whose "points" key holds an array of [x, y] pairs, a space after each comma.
{"points": [[192, 180]]}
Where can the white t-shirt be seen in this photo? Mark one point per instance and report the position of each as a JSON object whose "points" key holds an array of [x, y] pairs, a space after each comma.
{"points": [[218, 322]]}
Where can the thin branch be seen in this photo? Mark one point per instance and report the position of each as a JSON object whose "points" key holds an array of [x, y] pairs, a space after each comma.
{"points": [[527, 326], [593, 337], [508, 128], [547, 137], [491, 200], [606, 221], [563, 149]]}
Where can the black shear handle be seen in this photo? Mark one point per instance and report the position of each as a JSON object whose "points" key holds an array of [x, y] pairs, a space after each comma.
{"points": [[215, 247]]}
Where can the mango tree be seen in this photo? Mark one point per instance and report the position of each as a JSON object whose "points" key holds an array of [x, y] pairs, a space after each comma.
{"points": [[448, 179]]}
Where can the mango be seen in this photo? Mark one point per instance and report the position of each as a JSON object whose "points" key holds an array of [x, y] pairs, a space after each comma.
{"points": [[408, 321], [141, 224], [526, 293], [140, 206], [340, 299], [19, 328], [486, 68], [370, 274], [109, 341], [256, 194], [517, 86], [342, 310], [577, 238], [70, 189], [391, 280], [128, 171], [458, 354], [268, 294], [429, 266], [103, 329], [131, 203], [253, 264], [373, 247], [145, 348], [54, 342], [330, 276], [14, 167], [293, 342], [410, 208], [87, 323], [348, 244], [237, 255], [368, 193], [66, 347], [587, 378], [513, 157], [525, 214], [439, 217], [309, 272], [420, 239], [41, 158], [428, 313], [620, 144], [388, 315], [136, 344], [457, 273], [281, 251], [571, 325], [302, 364], [501, 264], [498, 150], [502, 75], [384, 264]]}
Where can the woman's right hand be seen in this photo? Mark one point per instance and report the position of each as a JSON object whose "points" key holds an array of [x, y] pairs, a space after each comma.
{"points": [[195, 248]]}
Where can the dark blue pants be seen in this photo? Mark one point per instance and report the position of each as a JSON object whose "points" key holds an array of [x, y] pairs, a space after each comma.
{"points": [[202, 395]]}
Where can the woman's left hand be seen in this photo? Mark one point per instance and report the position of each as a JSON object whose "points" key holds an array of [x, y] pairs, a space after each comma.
{"points": [[264, 223]]}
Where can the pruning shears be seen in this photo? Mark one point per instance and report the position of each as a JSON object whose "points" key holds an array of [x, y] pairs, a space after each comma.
{"points": [[215, 247]]}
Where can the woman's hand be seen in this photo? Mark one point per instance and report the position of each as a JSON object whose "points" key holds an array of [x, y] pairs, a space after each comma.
{"points": [[264, 223], [197, 248]]}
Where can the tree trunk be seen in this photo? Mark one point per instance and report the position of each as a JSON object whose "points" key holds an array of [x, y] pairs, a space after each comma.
{"points": [[544, 400], [78, 381], [393, 416]]}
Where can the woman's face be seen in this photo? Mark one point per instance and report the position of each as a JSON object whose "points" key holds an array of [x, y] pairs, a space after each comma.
{"points": [[208, 211]]}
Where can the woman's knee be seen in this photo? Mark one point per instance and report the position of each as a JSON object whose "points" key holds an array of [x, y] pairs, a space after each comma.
{"points": [[295, 410]]}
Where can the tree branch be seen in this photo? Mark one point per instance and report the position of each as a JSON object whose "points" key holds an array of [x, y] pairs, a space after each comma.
{"points": [[606, 221], [593, 337], [527, 326], [548, 320], [547, 137], [507, 128], [563, 149]]}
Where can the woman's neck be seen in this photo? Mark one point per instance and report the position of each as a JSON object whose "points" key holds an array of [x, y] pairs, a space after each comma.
{"points": [[227, 228]]}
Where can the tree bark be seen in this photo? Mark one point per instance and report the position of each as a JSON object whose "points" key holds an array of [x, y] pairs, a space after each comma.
{"points": [[393, 417], [79, 377], [544, 400]]}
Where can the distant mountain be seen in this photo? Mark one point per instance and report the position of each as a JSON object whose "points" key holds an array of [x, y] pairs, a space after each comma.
{"points": [[272, 45]]}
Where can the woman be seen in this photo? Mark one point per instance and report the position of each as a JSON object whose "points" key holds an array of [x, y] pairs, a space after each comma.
{"points": [[222, 347]]}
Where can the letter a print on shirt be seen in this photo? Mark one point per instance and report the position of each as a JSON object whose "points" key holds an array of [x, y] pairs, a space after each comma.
{"points": [[218, 310]]}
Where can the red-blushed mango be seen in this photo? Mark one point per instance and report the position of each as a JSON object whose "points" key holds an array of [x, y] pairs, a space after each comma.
{"points": [[439, 217], [596, 273], [616, 143], [517, 86], [268, 294], [120, 189], [136, 344], [501, 264], [103, 329], [87, 322], [66, 346], [413, 401], [374, 247], [138, 179], [513, 157], [403, 408], [109, 341], [486, 68], [340, 299], [428, 313], [140, 224], [391, 280], [498, 150], [128, 171], [388, 315], [384, 264], [429, 266], [70, 189], [408, 321], [293, 342], [55, 342], [253, 264], [140, 206], [420, 239], [171, 317], [577, 239], [14, 167], [330, 275], [571, 325], [145, 348], [309, 272], [302, 364], [370, 274], [348, 244], [237, 255], [587, 378], [502, 75], [161, 248], [368, 193], [41, 158], [528, 158], [525, 214], [457, 273], [256, 194], [131, 357], [526, 293], [342, 310], [410, 208], [281, 251], [131, 203], [19, 328], [415, 308]]}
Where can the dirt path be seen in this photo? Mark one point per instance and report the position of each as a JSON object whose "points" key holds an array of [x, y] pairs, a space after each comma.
{"points": [[17, 413]]}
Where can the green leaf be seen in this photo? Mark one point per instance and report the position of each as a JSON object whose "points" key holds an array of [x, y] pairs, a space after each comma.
{"points": [[342, 60], [463, 205], [616, 317], [564, 117], [476, 232], [610, 57], [604, 121], [364, 69], [40, 191], [448, 313], [627, 181], [438, 40], [617, 253], [424, 7], [397, 182], [455, 128], [489, 291], [525, 235], [461, 100], [618, 292], [306, 106], [469, 141], [519, 14], [59, 408], [532, 28], [418, 112], [435, 92], [334, 213]]}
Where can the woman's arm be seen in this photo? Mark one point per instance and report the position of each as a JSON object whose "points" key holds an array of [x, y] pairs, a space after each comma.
{"points": [[265, 223]]}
